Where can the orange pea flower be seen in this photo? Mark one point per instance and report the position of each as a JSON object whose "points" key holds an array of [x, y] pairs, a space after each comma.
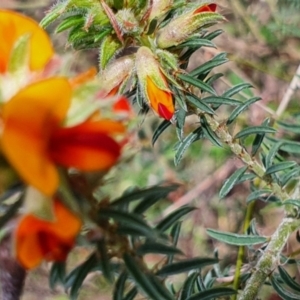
{"points": [[35, 142], [37, 239], [154, 84], [12, 27]]}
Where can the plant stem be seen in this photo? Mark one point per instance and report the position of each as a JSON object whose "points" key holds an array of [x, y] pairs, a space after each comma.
{"points": [[269, 260]]}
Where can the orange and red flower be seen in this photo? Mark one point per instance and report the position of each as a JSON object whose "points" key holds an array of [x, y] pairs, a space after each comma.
{"points": [[35, 141], [12, 27], [154, 84], [37, 239]]}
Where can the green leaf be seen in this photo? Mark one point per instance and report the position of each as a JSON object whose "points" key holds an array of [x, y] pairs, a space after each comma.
{"points": [[197, 83], [71, 21], [238, 110], [282, 292], [219, 100], [197, 102], [75, 278], [293, 174], [120, 286], [254, 130], [180, 120], [196, 43], [235, 239], [231, 182], [236, 89], [255, 195], [155, 247], [272, 153], [104, 261], [173, 217], [294, 128], [161, 191], [53, 14], [160, 287], [213, 293], [174, 234], [188, 286], [288, 280], [209, 65], [287, 146], [159, 130], [213, 78], [186, 265], [141, 279], [131, 294], [209, 134], [11, 211], [128, 220], [108, 49], [57, 274], [184, 145], [212, 35], [280, 167], [259, 139], [295, 202], [246, 177]]}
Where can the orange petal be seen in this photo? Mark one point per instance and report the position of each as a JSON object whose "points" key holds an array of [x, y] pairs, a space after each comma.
{"points": [[87, 147], [29, 119], [12, 27], [38, 239], [161, 101], [83, 77], [206, 8]]}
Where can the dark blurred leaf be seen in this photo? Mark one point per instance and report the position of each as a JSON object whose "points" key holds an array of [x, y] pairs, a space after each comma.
{"points": [[180, 120], [187, 141], [104, 261], [11, 211], [155, 247], [173, 217], [236, 89], [188, 286], [213, 293], [280, 167], [179, 97], [220, 100], [235, 239], [288, 280], [293, 174], [57, 274], [175, 232], [238, 110], [131, 294], [186, 265], [295, 202], [209, 65], [129, 220], [287, 146], [159, 130], [213, 78], [259, 139], [254, 130], [231, 182], [141, 279], [75, 278], [294, 128], [120, 286], [197, 83], [282, 292], [140, 194], [160, 287], [197, 102], [258, 194]]}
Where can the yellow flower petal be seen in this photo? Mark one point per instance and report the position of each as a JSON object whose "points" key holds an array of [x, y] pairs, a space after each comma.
{"points": [[29, 119], [12, 27]]}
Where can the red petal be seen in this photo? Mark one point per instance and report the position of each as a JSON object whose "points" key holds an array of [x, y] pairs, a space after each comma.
{"points": [[87, 147], [164, 112], [206, 8]]}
